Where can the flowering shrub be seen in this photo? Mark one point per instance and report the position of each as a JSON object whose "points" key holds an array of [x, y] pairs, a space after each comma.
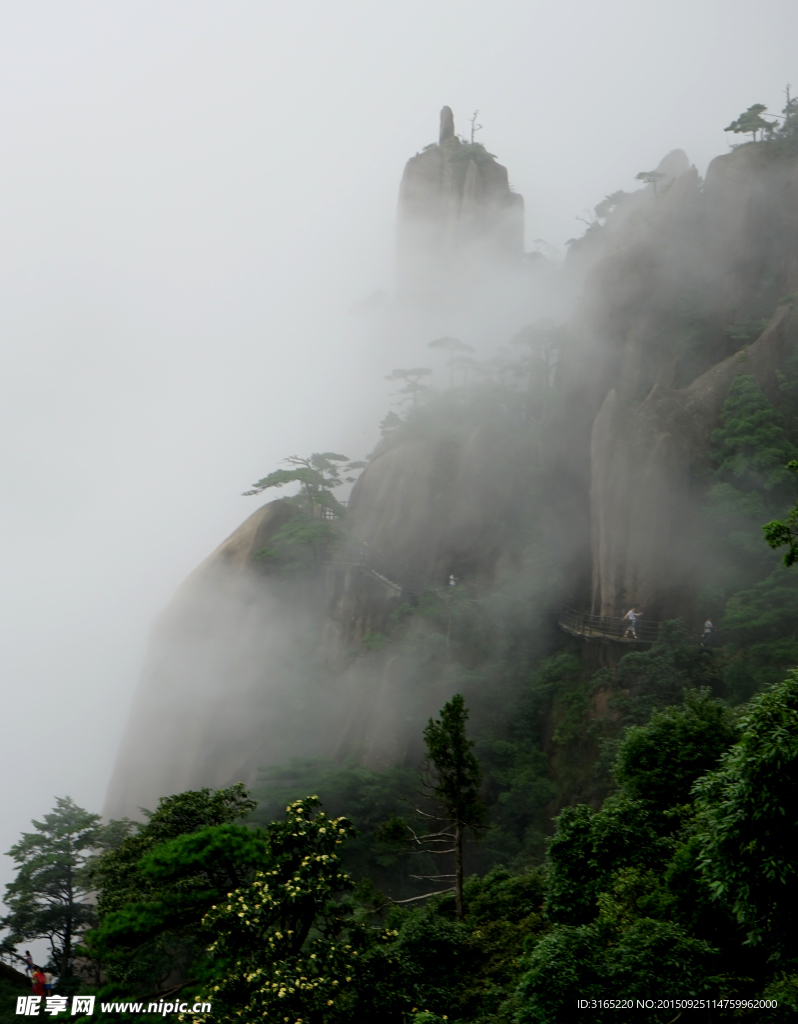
{"points": [[285, 944]]}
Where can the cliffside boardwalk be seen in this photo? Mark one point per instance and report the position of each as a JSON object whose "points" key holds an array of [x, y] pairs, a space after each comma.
{"points": [[360, 558], [611, 627]]}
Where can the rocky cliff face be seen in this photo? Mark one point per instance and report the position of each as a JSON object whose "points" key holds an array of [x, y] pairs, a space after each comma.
{"points": [[624, 456], [680, 272], [211, 686], [456, 213], [238, 650], [648, 464], [430, 506]]}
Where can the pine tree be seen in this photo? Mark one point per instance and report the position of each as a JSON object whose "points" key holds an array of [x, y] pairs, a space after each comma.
{"points": [[49, 897], [751, 121], [454, 777]]}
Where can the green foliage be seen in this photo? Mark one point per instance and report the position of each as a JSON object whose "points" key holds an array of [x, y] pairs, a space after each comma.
{"points": [[519, 790], [592, 962], [747, 821], [304, 541], [300, 544], [608, 204], [413, 388], [656, 678], [452, 780], [755, 605], [775, 139], [318, 475], [13, 984], [465, 970], [632, 911], [767, 610], [637, 897], [157, 885], [49, 898], [628, 904], [657, 763], [282, 940], [555, 675], [650, 178], [692, 324], [751, 447], [758, 625], [453, 770], [784, 990], [587, 847], [779, 533], [655, 768], [751, 121], [572, 888], [369, 798]]}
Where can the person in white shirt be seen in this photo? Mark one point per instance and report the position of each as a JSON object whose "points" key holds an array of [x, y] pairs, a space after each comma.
{"points": [[631, 616]]}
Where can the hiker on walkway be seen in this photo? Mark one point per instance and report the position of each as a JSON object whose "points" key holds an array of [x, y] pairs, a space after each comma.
{"points": [[28, 963], [631, 615], [706, 636], [38, 982]]}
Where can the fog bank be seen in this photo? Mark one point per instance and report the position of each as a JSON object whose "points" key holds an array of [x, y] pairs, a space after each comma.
{"points": [[195, 198]]}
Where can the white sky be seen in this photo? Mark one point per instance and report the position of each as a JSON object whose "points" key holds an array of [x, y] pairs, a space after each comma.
{"points": [[192, 196]]}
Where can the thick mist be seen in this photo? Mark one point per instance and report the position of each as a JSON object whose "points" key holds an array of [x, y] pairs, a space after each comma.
{"points": [[198, 202]]}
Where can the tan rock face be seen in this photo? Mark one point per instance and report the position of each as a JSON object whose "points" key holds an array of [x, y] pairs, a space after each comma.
{"points": [[624, 461], [650, 440], [434, 505], [236, 649], [216, 672], [456, 212]]}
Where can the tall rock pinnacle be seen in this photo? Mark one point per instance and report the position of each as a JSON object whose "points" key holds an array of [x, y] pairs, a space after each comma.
{"points": [[447, 125], [457, 215]]}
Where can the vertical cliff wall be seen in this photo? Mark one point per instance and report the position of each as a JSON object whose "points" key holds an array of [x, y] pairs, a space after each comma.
{"points": [[215, 691], [654, 326], [246, 667]]}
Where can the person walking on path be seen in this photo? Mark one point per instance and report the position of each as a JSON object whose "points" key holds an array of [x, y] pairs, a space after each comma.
{"points": [[631, 616], [28, 963], [38, 982], [706, 636]]}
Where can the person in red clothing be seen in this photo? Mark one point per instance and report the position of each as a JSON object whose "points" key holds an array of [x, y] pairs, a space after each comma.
{"points": [[38, 982]]}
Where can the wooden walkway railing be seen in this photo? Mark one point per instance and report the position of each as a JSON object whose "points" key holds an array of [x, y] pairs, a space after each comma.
{"points": [[608, 627], [360, 558]]}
